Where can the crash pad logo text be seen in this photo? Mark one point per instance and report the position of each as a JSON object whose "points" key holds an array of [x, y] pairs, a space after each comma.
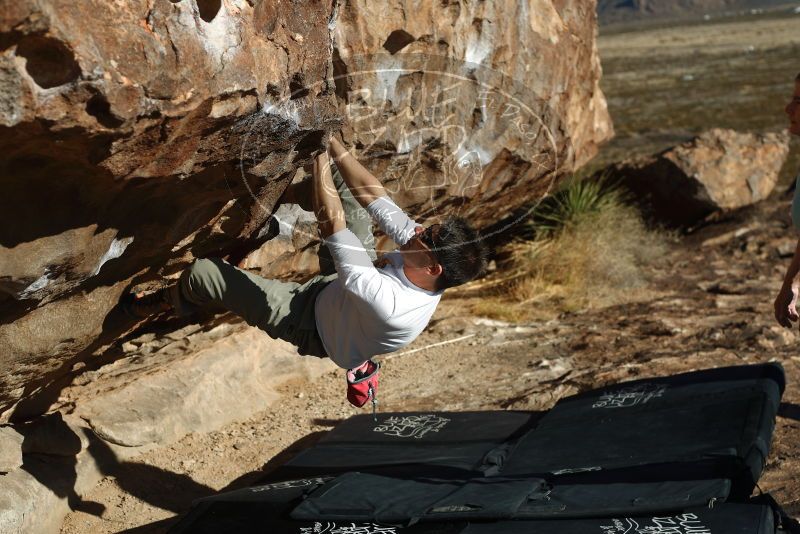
{"points": [[680, 524], [289, 484], [630, 396], [411, 426], [352, 528]]}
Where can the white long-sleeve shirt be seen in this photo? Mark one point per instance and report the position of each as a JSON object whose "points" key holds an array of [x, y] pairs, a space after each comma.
{"points": [[368, 311]]}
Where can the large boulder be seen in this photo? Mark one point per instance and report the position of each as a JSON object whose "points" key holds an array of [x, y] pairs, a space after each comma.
{"points": [[122, 127], [140, 135], [717, 170]]}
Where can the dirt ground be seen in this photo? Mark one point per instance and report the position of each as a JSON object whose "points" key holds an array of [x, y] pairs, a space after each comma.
{"points": [[709, 304]]}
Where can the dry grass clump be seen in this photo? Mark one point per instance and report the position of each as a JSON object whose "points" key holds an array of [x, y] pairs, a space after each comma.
{"points": [[596, 261], [587, 247]]}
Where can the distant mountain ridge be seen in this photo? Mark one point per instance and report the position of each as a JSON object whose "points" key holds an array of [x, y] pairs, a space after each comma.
{"points": [[615, 11]]}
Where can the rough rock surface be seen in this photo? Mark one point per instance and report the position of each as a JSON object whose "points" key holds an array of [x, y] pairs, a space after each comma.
{"points": [[140, 135], [10, 449], [36, 497], [197, 382], [52, 435], [718, 170], [22, 501], [459, 107], [121, 133], [479, 97], [192, 380], [292, 253]]}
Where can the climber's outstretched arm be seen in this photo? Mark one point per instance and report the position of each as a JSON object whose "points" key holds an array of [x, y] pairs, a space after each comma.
{"points": [[362, 183], [327, 204]]}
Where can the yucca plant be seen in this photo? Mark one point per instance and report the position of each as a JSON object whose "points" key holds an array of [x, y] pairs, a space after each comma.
{"points": [[574, 202]]}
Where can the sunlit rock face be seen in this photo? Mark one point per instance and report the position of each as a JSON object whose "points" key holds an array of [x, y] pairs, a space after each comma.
{"points": [[485, 98], [139, 135], [469, 108]]}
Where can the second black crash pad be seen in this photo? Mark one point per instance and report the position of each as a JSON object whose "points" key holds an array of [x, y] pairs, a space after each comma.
{"points": [[709, 424]]}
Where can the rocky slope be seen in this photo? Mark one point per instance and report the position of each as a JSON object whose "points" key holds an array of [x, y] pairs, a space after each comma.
{"points": [[138, 136]]}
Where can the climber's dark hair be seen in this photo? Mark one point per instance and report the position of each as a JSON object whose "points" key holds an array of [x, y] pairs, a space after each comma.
{"points": [[460, 250]]}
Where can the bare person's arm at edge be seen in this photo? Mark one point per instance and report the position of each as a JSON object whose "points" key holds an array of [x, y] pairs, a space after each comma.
{"points": [[786, 301], [362, 183], [327, 204]]}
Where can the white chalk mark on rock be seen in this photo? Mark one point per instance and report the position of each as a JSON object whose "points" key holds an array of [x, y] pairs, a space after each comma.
{"points": [[115, 250], [36, 285], [286, 110]]}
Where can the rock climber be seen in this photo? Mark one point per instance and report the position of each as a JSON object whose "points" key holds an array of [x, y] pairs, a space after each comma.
{"points": [[356, 308]]}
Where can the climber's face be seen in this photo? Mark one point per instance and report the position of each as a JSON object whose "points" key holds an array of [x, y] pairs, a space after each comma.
{"points": [[793, 110], [417, 250]]}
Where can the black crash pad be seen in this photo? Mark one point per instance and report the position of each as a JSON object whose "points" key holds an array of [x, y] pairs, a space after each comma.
{"points": [[456, 444], [709, 424], [672, 455]]}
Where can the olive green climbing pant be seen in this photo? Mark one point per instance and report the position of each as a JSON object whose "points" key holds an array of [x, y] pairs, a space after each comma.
{"points": [[284, 310]]}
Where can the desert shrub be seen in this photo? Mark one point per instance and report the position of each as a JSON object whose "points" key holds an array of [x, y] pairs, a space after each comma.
{"points": [[586, 246], [590, 247]]}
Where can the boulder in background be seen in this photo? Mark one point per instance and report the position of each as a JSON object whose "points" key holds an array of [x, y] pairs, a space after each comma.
{"points": [[718, 170]]}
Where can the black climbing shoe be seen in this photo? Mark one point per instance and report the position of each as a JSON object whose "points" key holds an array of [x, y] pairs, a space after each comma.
{"points": [[142, 306]]}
